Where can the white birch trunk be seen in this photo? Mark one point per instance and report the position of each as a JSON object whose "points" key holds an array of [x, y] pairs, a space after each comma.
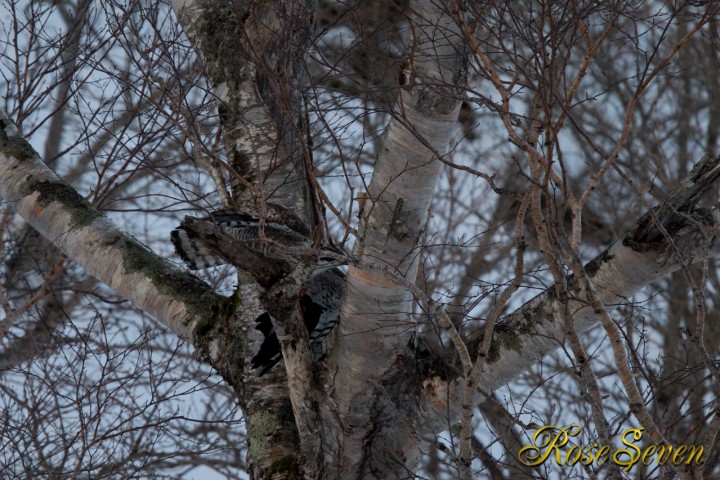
{"points": [[376, 326], [381, 399], [254, 52]]}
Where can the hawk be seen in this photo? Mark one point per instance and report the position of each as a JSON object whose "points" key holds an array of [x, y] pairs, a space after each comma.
{"points": [[198, 240], [233, 236]]}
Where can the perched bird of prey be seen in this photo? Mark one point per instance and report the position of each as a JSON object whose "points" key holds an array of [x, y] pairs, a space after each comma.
{"points": [[224, 235], [198, 241]]}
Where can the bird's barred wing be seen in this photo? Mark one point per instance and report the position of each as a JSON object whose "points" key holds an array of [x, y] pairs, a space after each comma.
{"points": [[193, 251], [195, 240], [217, 239], [325, 290]]}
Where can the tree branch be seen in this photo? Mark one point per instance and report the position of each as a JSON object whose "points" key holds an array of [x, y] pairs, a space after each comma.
{"points": [[177, 299], [645, 254]]}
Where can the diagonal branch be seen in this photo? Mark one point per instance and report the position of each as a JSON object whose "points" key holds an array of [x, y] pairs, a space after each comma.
{"points": [[178, 300], [664, 240]]}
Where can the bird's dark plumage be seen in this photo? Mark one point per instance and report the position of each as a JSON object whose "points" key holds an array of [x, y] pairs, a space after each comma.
{"points": [[203, 243], [320, 302], [193, 245]]}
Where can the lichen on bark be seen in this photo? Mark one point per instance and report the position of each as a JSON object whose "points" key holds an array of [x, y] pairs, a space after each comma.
{"points": [[81, 212], [13, 145]]}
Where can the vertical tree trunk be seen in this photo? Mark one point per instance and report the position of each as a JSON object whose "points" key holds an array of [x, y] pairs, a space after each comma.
{"points": [[255, 53], [376, 327]]}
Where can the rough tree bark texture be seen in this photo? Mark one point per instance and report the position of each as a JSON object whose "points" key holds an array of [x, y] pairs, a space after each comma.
{"points": [[82, 233], [254, 53], [370, 414], [242, 43], [644, 255], [419, 392], [375, 327]]}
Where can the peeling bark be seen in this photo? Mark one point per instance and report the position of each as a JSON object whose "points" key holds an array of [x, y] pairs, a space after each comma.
{"points": [[368, 411], [254, 53], [375, 328]]}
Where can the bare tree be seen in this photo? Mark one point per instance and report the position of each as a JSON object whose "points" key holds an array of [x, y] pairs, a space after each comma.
{"points": [[523, 193]]}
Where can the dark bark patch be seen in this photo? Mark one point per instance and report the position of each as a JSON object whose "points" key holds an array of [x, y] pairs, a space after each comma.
{"points": [[705, 168], [400, 224], [504, 337], [80, 211], [678, 210], [14, 146], [220, 30], [288, 466], [199, 299], [431, 102], [593, 266]]}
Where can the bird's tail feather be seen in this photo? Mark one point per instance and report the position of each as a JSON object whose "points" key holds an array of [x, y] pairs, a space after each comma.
{"points": [[193, 253]]}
